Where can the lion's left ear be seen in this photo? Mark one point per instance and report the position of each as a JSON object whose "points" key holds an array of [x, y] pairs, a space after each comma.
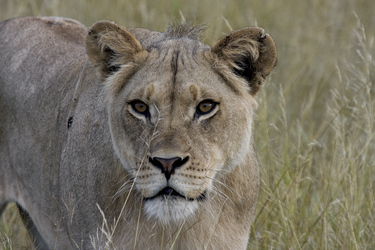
{"points": [[249, 53], [109, 46]]}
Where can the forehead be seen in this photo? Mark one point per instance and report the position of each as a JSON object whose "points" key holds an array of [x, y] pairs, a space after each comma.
{"points": [[173, 66]]}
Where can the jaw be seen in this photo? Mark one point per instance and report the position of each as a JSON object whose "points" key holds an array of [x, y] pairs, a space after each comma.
{"points": [[169, 210]]}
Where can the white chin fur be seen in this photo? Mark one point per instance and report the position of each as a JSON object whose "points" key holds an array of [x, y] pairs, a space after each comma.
{"points": [[170, 210]]}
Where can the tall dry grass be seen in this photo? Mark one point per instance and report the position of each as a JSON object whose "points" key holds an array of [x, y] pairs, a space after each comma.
{"points": [[314, 130]]}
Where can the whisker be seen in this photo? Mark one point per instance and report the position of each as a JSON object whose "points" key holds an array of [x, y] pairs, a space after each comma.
{"points": [[217, 189], [125, 187]]}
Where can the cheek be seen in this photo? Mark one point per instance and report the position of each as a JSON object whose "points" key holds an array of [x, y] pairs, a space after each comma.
{"points": [[129, 136], [232, 135], [224, 127], [138, 136]]}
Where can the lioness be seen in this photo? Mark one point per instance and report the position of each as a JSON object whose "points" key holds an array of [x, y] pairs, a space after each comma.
{"points": [[129, 138]]}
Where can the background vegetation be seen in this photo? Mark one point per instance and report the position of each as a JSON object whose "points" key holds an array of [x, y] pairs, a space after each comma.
{"points": [[314, 129]]}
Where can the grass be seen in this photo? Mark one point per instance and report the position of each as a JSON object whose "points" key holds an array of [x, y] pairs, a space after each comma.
{"points": [[314, 130], [13, 235]]}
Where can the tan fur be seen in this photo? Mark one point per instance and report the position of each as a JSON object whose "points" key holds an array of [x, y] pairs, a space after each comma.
{"points": [[84, 164]]}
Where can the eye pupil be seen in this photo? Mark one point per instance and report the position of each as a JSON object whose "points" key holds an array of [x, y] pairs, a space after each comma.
{"points": [[140, 107], [205, 107]]}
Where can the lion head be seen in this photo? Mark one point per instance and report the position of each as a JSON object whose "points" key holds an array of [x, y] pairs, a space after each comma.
{"points": [[180, 112]]}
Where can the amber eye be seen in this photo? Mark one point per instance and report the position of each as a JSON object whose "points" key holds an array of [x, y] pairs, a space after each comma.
{"points": [[139, 107], [205, 107]]}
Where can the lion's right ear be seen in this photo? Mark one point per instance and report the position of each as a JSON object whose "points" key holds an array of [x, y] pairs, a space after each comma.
{"points": [[109, 46]]}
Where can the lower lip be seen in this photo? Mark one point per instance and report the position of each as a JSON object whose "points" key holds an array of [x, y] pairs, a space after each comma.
{"points": [[171, 193]]}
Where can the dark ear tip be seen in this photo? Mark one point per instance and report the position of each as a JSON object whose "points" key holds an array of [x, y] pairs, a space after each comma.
{"points": [[263, 37]]}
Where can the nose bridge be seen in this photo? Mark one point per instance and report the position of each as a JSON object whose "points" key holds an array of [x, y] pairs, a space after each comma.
{"points": [[171, 127], [171, 140], [176, 122], [166, 144]]}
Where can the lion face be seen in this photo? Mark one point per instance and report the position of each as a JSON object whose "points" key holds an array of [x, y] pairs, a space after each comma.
{"points": [[180, 112], [172, 130]]}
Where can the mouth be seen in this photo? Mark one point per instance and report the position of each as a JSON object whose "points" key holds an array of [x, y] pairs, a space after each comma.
{"points": [[169, 193]]}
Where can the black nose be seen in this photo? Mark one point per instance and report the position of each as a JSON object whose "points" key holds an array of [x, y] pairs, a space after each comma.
{"points": [[168, 166]]}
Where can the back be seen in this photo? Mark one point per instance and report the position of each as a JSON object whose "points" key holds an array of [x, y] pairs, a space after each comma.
{"points": [[36, 88]]}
